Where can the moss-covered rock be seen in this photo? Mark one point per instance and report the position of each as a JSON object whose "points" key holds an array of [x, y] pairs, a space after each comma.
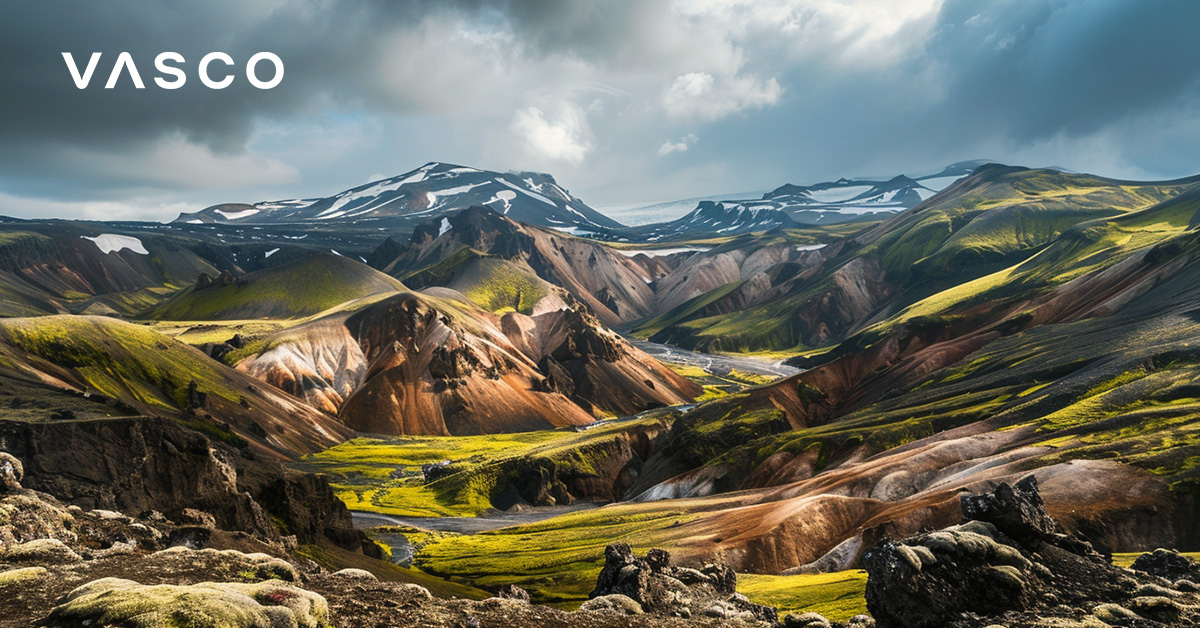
{"points": [[615, 603], [117, 602], [255, 566], [361, 574], [27, 515], [21, 575], [40, 551]]}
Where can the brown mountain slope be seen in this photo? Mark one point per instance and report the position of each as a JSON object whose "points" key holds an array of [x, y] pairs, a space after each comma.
{"points": [[433, 363], [54, 266], [605, 371]]}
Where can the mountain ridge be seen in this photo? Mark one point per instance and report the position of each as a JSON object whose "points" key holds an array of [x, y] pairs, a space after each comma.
{"points": [[432, 190]]}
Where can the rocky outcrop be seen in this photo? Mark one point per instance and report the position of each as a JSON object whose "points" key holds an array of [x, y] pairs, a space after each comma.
{"points": [[656, 586], [1009, 564], [1168, 564], [140, 464], [593, 365]]}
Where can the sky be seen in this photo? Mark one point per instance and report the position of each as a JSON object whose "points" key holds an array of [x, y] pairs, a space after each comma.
{"points": [[624, 102]]}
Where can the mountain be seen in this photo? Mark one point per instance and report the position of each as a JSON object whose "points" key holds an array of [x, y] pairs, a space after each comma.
{"points": [[448, 252], [1028, 323], [431, 191], [306, 286], [434, 363], [789, 205], [123, 369], [56, 266], [984, 224]]}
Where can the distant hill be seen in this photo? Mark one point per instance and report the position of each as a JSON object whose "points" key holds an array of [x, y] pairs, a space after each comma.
{"points": [[303, 287]]}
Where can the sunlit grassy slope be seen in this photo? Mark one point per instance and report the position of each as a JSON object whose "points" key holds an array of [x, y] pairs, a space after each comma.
{"points": [[297, 289], [1003, 232], [499, 285], [118, 359], [384, 475]]}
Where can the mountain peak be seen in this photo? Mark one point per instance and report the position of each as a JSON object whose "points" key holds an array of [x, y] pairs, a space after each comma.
{"points": [[434, 190]]}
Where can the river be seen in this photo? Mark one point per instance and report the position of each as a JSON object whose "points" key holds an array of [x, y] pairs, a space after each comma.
{"points": [[402, 550], [714, 362]]}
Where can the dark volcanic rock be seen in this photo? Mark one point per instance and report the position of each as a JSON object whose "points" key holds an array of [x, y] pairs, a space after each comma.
{"points": [[1008, 565], [665, 589], [558, 379], [1167, 564], [136, 464], [1017, 511]]}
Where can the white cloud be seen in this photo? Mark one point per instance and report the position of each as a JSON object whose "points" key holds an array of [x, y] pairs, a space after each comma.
{"points": [[681, 146], [136, 208], [565, 137], [700, 95]]}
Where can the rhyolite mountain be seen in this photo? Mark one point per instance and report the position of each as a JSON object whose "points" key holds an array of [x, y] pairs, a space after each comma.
{"points": [[433, 190], [1028, 322], [434, 363]]}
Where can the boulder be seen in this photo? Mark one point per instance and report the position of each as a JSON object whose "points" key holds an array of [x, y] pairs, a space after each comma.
{"points": [[1017, 511], [1008, 564], [805, 620], [11, 473], [45, 551], [616, 603], [513, 592], [116, 602], [1168, 564], [415, 591], [661, 588], [360, 574], [22, 575]]}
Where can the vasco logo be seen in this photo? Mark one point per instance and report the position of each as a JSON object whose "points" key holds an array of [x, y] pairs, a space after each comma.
{"points": [[125, 63]]}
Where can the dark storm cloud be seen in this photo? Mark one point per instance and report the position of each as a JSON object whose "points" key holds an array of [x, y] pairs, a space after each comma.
{"points": [[1041, 68], [764, 91]]}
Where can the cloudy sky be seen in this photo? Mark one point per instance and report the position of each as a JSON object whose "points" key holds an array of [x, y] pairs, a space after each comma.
{"points": [[624, 102]]}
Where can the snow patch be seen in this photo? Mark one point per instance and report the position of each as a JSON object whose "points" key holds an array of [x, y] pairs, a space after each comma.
{"points": [[270, 253], [444, 228], [112, 243], [237, 215], [662, 252], [837, 194]]}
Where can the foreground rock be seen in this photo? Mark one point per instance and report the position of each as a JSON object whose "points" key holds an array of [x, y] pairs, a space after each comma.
{"points": [[1010, 565], [632, 585], [118, 602]]}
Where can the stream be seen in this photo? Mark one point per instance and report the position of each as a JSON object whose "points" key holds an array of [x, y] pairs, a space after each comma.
{"points": [[402, 550], [714, 363]]}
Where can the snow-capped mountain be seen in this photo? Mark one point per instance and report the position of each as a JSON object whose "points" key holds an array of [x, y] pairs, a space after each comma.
{"points": [[829, 202], [427, 192], [723, 218]]}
